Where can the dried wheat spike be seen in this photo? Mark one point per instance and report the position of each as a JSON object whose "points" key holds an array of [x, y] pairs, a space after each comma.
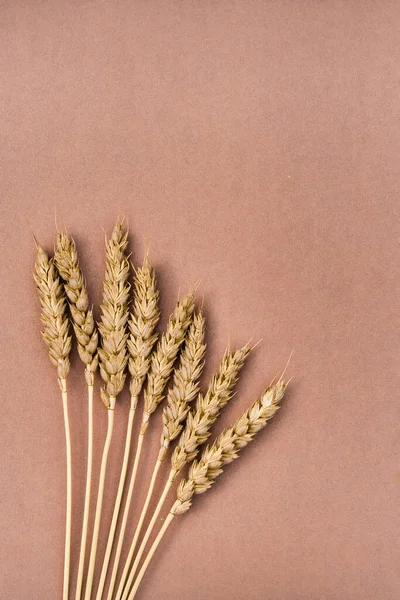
{"points": [[66, 259], [114, 309], [143, 320], [225, 449], [199, 420], [186, 383], [165, 354], [54, 312]]}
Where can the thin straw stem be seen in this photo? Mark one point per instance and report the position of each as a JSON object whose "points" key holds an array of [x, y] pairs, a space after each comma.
{"points": [[150, 554], [118, 500], [138, 529], [87, 494], [148, 534], [125, 517], [68, 517], [99, 503]]}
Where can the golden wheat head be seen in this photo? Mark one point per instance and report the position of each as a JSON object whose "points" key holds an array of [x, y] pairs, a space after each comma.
{"points": [[165, 354], [224, 450], [66, 259], [144, 317], [186, 382], [208, 407], [54, 312], [114, 315]]}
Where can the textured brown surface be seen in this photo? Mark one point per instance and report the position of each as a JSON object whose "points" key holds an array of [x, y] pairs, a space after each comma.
{"points": [[257, 144]]}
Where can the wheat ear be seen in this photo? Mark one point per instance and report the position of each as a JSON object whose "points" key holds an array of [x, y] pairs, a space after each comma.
{"points": [[66, 259], [184, 389], [56, 335], [223, 451], [162, 362], [196, 432], [67, 262], [142, 337], [113, 358]]}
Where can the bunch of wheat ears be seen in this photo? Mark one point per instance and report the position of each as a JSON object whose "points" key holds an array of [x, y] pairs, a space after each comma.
{"points": [[166, 368]]}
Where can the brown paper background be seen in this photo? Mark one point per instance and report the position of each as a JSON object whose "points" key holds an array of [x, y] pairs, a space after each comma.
{"points": [[256, 144]]}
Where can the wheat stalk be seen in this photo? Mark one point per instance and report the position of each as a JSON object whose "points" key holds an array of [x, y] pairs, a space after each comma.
{"points": [[196, 432], [223, 451], [184, 389], [66, 259], [142, 337], [162, 362], [56, 335], [113, 357]]}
